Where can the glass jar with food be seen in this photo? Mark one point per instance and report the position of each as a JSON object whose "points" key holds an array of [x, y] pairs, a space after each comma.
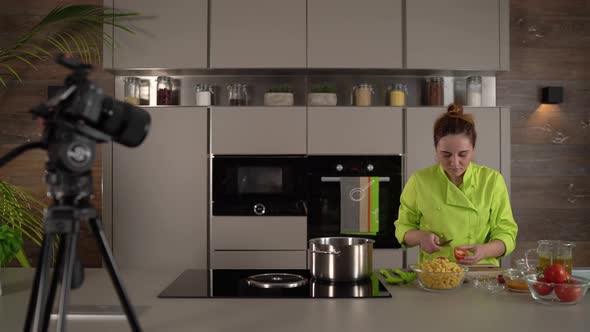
{"points": [[397, 94], [204, 94], [164, 90], [238, 94], [435, 91], [474, 91], [361, 94], [144, 92], [132, 90]]}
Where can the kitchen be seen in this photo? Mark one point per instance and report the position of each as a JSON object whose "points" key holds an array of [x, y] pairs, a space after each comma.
{"points": [[140, 242]]}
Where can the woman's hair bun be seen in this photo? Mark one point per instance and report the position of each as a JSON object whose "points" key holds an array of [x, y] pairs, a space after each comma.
{"points": [[455, 109]]}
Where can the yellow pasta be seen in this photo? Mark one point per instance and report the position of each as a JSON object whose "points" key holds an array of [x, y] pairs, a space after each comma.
{"points": [[438, 280]]}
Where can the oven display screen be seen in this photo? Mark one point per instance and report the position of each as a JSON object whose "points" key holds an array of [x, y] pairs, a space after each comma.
{"points": [[257, 180]]}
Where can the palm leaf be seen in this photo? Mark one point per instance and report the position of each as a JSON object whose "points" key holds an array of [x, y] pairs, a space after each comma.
{"points": [[66, 28]]}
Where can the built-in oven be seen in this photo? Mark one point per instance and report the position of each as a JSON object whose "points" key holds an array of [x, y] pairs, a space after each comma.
{"points": [[246, 185], [354, 196]]}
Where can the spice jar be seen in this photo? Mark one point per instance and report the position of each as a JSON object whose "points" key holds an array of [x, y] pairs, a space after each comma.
{"points": [[474, 91], [397, 94], [238, 94], [435, 91], [132, 90], [204, 94], [164, 87], [144, 92], [361, 94]]}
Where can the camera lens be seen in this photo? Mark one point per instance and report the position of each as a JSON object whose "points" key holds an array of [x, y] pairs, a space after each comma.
{"points": [[126, 124]]}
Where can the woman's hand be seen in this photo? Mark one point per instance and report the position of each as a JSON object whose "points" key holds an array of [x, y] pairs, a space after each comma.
{"points": [[429, 243], [478, 253]]}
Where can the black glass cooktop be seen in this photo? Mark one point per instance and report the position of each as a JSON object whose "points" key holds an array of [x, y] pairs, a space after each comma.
{"points": [[272, 284]]}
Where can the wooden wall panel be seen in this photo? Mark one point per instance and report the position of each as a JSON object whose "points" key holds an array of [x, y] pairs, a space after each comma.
{"points": [[550, 43]]}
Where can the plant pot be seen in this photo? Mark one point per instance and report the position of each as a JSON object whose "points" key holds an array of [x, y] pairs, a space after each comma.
{"points": [[278, 99], [322, 99]]}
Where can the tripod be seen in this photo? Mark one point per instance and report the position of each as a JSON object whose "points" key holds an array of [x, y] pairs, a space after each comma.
{"points": [[63, 220], [74, 121]]}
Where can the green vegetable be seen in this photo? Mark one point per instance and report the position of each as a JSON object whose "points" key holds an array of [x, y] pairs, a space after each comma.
{"points": [[281, 89], [10, 244], [390, 278], [323, 88], [406, 276]]}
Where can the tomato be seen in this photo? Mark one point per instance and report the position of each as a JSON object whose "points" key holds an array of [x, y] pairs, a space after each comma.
{"points": [[460, 254], [501, 279], [568, 294], [556, 273], [543, 289]]}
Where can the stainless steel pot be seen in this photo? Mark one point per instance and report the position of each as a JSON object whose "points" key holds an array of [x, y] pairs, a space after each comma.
{"points": [[340, 258]]}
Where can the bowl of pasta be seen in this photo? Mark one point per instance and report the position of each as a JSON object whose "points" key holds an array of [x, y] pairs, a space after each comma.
{"points": [[439, 274]]}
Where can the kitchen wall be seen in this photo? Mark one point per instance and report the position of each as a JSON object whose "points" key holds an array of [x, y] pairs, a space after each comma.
{"points": [[16, 124], [549, 46], [550, 43]]}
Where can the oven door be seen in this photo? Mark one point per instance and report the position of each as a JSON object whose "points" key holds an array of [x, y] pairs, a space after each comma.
{"points": [[259, 185], [327, 215]]}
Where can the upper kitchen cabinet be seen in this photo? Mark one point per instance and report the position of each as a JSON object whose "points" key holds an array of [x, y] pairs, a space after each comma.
{"points": [[168, 34], [258, 34], [354, 130], [258, 130], [420, 151], [457, 34], [354, 34]]}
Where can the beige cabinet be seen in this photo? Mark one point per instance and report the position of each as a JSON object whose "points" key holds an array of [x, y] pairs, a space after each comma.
{"points": [[159, 193], [355, 130], [258, 34], [457, 34], [354, 34], [253, 242], [167, 34], [420, 152], [258, 130]]}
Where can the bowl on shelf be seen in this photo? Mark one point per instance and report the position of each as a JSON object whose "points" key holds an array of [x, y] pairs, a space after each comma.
{"points": [[551, 293], [439, 281], [515, 280]]}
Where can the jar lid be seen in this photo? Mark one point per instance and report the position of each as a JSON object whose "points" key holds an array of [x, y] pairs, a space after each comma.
{"points": [[203, 87], [132, 79], [474, 79], [398, 86], [164, 78], [435, 79], [236, 86]]}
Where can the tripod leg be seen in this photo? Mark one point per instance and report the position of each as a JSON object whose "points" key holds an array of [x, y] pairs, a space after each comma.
{"points": [[97, 229], [39, 291], [66, 283], [57, 271]]}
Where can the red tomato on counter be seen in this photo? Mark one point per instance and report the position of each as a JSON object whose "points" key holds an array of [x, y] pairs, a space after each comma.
{"points": [[542, 289], [460, 254], [568, 294], [556, 273]]}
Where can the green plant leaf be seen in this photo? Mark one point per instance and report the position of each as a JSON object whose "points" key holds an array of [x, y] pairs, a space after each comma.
{"points": [[22, 259], [12, 71]]}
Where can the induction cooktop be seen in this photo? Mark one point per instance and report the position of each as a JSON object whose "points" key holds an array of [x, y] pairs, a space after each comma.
{"points": [[266, 283]]}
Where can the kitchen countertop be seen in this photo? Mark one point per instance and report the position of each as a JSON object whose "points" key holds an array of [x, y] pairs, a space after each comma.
{"points": [[409, 309]]}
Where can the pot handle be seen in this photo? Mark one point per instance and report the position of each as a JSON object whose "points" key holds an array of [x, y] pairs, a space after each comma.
{"points": [[336, 252]]}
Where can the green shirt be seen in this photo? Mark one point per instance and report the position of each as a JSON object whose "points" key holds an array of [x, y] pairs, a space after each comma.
{"points": [[477, 212]]}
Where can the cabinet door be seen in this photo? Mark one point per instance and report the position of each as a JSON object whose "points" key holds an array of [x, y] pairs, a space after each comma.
{"points": [[168, 34], [355, 130], [420, 143], [160, 193], [258, 34], [354, 34], [453, 34], [258, 130]]}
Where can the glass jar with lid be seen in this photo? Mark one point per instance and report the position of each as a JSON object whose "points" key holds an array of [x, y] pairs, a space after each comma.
{"points": [[474, 91], [435, 91], [164, 90], [238, 94], [397, 94], [132, 90], [361, 94], [144, 92], [204, 94]]}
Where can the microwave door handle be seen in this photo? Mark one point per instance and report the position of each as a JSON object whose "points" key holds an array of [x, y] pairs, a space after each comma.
{"points": [[337, 179]]}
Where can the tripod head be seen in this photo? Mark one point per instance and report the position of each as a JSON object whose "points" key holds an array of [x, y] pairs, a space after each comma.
{"points": [[75, 120]]}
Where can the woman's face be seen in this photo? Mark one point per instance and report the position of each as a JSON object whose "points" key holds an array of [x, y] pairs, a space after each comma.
{"points": [[454, 153]]}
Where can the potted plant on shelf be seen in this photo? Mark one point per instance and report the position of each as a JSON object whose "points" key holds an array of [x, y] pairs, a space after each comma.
{"points": [[322, 95], [279, 96]]}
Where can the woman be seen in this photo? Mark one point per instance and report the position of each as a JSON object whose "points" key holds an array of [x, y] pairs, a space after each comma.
{"points": [[457, 199]]}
